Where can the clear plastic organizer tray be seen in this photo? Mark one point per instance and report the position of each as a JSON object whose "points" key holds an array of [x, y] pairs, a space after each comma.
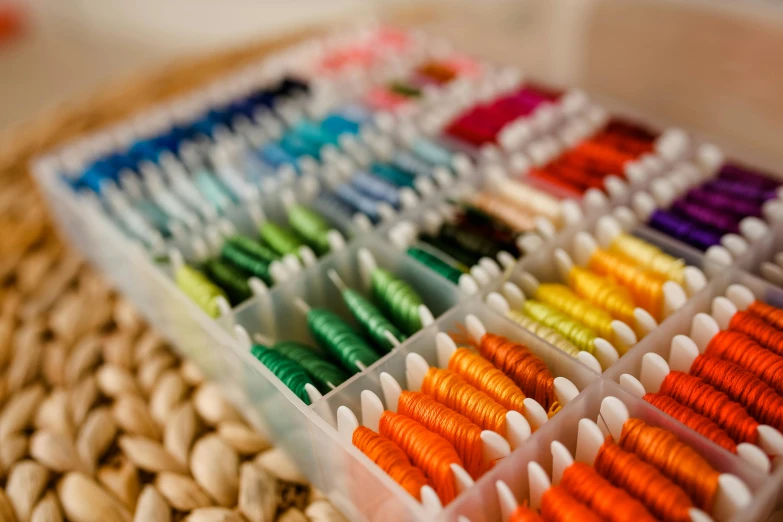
{"points": [[309, 433]]}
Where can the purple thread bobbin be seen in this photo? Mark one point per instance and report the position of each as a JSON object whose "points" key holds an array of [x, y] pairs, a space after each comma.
{"points": [[687, 232]]}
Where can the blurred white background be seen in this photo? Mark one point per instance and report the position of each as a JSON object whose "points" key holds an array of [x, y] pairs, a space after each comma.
{"points": [[69, 46]]}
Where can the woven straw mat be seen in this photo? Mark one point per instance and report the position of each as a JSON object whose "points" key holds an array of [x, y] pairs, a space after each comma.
{"points": [[100, 421]]}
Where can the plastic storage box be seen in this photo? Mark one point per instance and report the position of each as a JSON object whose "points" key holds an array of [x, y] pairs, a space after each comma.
{"points": [[308, 433]]}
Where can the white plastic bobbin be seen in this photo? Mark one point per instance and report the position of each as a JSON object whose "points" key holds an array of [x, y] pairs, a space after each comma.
{"points": [[663, 191], [772, 273], [538, 483], [561, 460], [595, 201], [709, 157], [740, 295], [625, 217], [723, 309], [506, 499], [636, 173], [718, 258], [616, 188], [703, 328], [643, 205], [732, 496], [571, 212], [529, 243], [773, 210], [753, 229]]}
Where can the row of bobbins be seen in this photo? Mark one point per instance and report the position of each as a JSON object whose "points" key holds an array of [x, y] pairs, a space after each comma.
{"points": [[213, 236], [527, 215], [383, 313], [616, 288], [724, 380], [497, 407], [620, 471], [715, 206]]}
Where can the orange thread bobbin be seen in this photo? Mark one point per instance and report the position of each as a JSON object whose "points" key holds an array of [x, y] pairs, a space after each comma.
{"points": [[526, 369], [702, 398], [695, 421], [452, 390], [646, 287], [428, 451], [524, 514], [558, 506], [768, 313], [758, 330], [391, 459], [613, 504], [675, 459], [665, 499], [482, 374], [746, 353], [756, 396], [463, 434]]}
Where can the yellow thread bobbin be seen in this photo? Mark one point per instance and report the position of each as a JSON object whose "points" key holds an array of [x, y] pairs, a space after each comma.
{"points": [[581, 336], [563, 299], [544, 332], [602, 293], [646, 287], [649, 257]]}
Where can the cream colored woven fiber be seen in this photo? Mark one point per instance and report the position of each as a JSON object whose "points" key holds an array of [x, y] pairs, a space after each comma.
{"points": [[100, 421]]}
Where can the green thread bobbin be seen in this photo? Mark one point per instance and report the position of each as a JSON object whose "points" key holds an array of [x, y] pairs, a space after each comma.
{"points": [[290, 373], [254, 248], [323, 373], [435, 264], [281, 240], [200, 289], [399, 301], [372, 320], [311, 227], [232, 280], [339, 340], [249, 263]]}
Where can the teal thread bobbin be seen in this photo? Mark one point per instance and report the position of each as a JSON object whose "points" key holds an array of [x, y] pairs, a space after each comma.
{"points": [[288, 371], [323, 373], [435, 264]]}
